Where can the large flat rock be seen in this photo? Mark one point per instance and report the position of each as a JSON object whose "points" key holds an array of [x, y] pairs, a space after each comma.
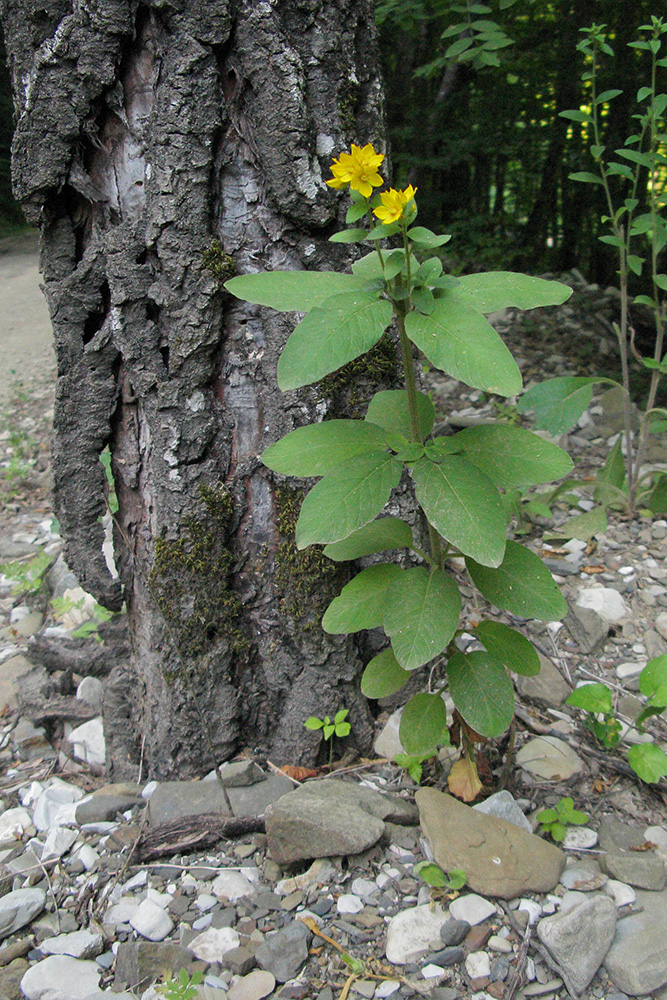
{"points": [[637, 960], [499, 858], [179, 800]]}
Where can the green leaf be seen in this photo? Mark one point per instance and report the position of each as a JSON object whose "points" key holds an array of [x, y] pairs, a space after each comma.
{"points": [[643, 159], [656, 499], [575, 116], [558, 831], [313, 723], [431, 873], [343, 729], [457, 879], [522, 584], [425, 238], [585, 526], [349, 236], [389, 409], [482, 692], [547, 816], [457, 339], [423, 300], [611, 476], [423, 726], [328, 731], [383, 676], [496, 290], [291, 291], [648, 761], [462, 503], [378, 536], [607, 95], [585, 177], [591, 698], [331, 335], [653, 680], [421, 613], [360, 603], [316, 449], [511, 648], [341, 715], [559, 402], [347, 498], [356, 212], [511, 456]]}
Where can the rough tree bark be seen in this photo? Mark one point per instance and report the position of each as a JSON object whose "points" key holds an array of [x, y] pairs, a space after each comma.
{"points": [[161, 145]]}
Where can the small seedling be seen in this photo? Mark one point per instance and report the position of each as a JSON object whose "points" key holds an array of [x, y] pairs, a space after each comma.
{"points": [[595, 699], [412, 764], [182, 988], [339, 727], [555, 821], [91, 618], [434, 876]]}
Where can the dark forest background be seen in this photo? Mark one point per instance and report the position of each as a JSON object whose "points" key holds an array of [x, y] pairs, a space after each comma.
{"points": [[475, 126]]}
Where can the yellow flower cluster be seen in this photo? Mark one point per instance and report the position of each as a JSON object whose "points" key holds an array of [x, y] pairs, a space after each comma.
{"points": [[359, 170]]}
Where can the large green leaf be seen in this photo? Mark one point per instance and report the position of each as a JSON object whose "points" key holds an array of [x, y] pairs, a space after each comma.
{"points": [[482, 692], [521, 584], [559, 402], [511, 456], [496, 290], [509, 647], [315, 449], [378, 536], [332, 334], [421, 614], [457, 339], [347, 498], [369, 267], [383, 676], [360, 603], [389, 409], [292, 291], [463, 505], [423, 726], [648, 761]]}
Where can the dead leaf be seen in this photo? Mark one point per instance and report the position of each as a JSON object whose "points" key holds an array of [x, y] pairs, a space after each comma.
{"points": [[593, 570], [298, 773], [463, 780]]}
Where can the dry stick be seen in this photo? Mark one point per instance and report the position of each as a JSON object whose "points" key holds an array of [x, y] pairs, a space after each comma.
{"points": [[551, 962], [521, 958]]}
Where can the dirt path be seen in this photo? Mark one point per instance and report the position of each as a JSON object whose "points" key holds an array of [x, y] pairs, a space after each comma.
{"points": [[26, 346]]}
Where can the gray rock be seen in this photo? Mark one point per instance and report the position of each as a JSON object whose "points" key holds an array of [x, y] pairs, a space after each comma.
{"points": [[452, 955], [412, 933], [502, 804], [254, 986], [454, 931], [18, 908], [499, 859], [240, 773], [588, 629], [140, 963], [549, 758], [580, 938], [606, 601], [639, 870], [255, 799], [637, 960], [106, 802], [175, 800], [472, 909], [549, 687], [60, 977], [655, 646], [151, 921], [80, 944], [618, 838], [329, 818], [285, 951]]}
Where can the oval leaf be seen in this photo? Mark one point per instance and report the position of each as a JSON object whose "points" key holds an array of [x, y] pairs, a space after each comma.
{"points": [[459, 341], [591, 698], [521, 584], [378, 536], [347, 498], [463, 780], [291, 291], [509, 647], [482, 692], [421, 615], [463, 505], [331, 335], [383, 676], [423, 726], [425, 238], [559, 402], [648, 761], [389, 409], [496, 290], [511, 456], [360, 603], [317, 448]]}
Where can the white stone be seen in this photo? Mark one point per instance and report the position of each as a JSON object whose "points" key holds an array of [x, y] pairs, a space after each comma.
{"points": [[472, 908], [579, 838], [497, 943], [18, 908], [88, 857], [386, 988], [348, 903], [151, 921], [571, 899], [206, 902], [503, 805], [121, 912], [58, 842], [550, 758], [431, 971], [79, 944], [231, 885], [163, 899], [14, 823], [61, 977], [256, 985], [363, 887], [630, 669], [56, 805], [91, 690], [621, 893], [478, 964], [388, 743], [533, 909], [88, 742], [414, 932], [606, 601], [212, 944]]}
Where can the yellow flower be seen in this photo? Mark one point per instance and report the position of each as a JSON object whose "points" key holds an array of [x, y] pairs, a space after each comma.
{"points": [[358, 169], [393, 204]]}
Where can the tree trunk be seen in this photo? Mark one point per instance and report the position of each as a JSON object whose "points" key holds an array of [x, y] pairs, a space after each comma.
{"points": [[162, 146]]}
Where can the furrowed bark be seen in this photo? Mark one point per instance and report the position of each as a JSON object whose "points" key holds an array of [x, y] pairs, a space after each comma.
{"points": [[148, 135]]}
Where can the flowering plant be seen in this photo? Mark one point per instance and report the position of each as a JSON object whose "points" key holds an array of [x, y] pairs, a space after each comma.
{"points": [[461, 481]]}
